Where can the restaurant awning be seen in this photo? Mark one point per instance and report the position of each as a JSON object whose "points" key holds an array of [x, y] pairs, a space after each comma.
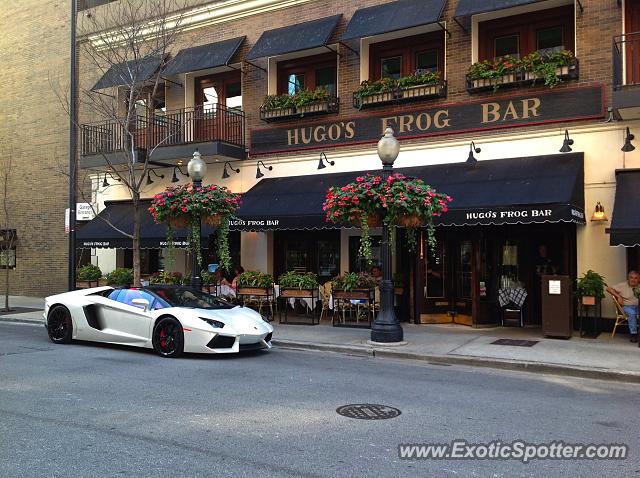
{"points": [[128, 72], [503, 191], [467, 8], [202, 57], [98, 233], [625, 220], [299, 37], [393, 16]]}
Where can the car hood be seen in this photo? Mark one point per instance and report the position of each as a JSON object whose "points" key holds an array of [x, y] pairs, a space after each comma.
{"points": [[242, 319]]}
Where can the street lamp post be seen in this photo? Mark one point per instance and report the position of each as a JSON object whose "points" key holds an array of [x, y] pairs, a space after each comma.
{"points": [[197, 168], [386, 328]]}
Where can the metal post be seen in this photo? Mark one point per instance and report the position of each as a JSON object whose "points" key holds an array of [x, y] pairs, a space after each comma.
{"points": [[196, 280], [73, 135], [386, 327]]}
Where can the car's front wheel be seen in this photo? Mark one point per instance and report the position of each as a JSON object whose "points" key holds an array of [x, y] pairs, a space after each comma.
{"points": [[168, 338], [60, 325]]}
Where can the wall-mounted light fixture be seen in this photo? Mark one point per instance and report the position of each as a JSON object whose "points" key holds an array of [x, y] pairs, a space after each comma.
{"points": [[599, 214], [259, 173], [472, 148], [323, 158], [627, 147], [149, 180], [225, 173], [174, 178], [105, 183], [567, 143]]}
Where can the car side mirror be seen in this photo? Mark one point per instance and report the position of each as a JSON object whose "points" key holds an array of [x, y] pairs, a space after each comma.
{"points": [[143, 303]]}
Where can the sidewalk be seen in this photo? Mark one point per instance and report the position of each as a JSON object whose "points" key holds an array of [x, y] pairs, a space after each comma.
{"points": [[24, 309], [602, 358]]}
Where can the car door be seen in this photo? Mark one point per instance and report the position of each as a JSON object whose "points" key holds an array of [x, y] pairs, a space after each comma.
{"points": [[127, 323]]}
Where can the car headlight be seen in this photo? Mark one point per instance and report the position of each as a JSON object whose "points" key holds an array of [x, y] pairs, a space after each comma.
{"points": [[216, 324]]}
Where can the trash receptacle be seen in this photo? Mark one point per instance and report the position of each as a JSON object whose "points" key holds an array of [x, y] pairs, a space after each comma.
{"points": [[557, 317]]}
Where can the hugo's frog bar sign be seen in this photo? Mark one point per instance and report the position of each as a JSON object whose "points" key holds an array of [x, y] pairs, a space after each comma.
{"points": [[548, 106]]}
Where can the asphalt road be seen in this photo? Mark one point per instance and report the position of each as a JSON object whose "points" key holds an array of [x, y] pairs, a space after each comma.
{"points": [[95, 410]]}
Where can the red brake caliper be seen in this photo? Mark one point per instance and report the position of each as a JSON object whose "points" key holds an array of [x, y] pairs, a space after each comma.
{"points": [[163, 342]]}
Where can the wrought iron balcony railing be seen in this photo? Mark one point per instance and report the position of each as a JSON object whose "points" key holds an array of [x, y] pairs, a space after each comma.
{"points": [[401, 95], [626, 60], [189, 125], [328, 106]]}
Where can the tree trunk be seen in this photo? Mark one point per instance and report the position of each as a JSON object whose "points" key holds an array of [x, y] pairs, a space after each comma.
{"points": [[136, 238], [6, 283]]}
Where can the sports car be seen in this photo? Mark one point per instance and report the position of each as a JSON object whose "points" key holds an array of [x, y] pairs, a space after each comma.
{"points": [[169, 319]]}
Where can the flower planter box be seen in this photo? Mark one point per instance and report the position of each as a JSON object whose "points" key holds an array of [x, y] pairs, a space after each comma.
{"points": [[321, 107], [266, 291], [419, 91], [278, 113], [86, 284], [355, 294], [588, 300], [377, 98], [561, 72], [491, 82], [293, 293]]}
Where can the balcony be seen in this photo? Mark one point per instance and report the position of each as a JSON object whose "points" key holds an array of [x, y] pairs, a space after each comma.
{"points": [[626, 76], [331, 105], [218, 131], [400, 95]]}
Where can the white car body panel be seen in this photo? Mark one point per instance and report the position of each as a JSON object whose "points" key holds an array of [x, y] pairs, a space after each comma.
{"points": [[109, 321]]}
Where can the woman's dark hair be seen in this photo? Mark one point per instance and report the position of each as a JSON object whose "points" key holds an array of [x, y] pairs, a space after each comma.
{"points": [[239, 270]]}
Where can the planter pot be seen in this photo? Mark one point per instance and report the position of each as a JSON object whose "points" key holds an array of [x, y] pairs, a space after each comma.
{"points": [[353, 294], [588, 300], [255, 291], [297, 292], [486, 82], [278, 112], [560, 71], [313, 108], [179, 222], [373, 220], [377, 98], [419, 90], [412, 221], [213, 221], [86, 284]]}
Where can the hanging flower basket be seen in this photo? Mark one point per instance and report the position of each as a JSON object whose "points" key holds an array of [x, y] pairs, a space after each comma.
{"points": [[179, 222], [213, 221], [373, 220], [410, 220]]}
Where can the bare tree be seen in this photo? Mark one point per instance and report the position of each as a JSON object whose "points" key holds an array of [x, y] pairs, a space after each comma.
{"points": [[7, 234], [128, 43]]}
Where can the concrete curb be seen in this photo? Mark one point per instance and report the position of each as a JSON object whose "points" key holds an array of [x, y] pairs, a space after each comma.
{"points": [[522, 366], [22, 320]]}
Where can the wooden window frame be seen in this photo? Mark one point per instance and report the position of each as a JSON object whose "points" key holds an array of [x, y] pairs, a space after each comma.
{"points": [[219, 81], [306, 66], [408, 48], [526, 27]]}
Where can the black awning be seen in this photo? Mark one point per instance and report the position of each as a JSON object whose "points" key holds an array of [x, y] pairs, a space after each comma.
{"points": [[503, 191], [129, 72], [97, 233], [625, 220], [393, 16], [202, 57], [302, 36], [466, 8]]}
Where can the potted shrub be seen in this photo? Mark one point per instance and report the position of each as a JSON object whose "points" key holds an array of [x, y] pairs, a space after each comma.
{"points": [[308, 101], [209, 280], [294, 284], [275, 106], [420, 84], [255, 283], [168, 278], [353, 285], [590, 288], [379, 91], [493, 73], [120, 277], [88, 276]]}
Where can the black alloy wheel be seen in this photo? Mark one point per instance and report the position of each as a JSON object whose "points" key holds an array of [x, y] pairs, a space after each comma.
{"points": [[60, 325], [168, 338]]}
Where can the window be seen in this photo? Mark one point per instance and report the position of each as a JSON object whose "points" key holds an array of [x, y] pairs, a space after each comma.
{"points": [[308, 73], [359, 264], [8, 239], [317, 252], [507, 45], [224, 89], [399, 58], [234, 96], [520, 35]]}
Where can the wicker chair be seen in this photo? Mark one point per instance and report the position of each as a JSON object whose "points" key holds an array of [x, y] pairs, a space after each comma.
{"points": [[325, 296], [621, 317]]}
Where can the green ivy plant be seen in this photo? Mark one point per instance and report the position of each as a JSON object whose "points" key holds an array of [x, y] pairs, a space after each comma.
{"points": [[89, 272], [274, 102], [255, 279], [296, 280]]}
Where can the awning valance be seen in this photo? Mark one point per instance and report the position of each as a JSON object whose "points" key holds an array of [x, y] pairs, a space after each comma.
{"points": [[202, 57], [129, 72], [393, 16], [299, 37], [503, 191], [625, 220], [98, 233], [467, 8]]}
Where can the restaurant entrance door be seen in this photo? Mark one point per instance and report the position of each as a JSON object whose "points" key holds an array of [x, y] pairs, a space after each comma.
{"points": [[447, 275]]}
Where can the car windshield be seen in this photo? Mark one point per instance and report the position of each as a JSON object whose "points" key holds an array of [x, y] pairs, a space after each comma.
{"points": [[185, 297]]}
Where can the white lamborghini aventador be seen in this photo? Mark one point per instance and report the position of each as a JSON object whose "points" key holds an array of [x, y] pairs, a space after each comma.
{"points": [[169, 319]]}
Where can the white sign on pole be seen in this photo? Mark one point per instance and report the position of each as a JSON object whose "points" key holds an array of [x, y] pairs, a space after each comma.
{"points": [[66, 221], [84, 212]]}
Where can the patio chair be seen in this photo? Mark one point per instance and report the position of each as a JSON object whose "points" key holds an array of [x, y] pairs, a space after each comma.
{"points": [[325, 295], [621, 317]]}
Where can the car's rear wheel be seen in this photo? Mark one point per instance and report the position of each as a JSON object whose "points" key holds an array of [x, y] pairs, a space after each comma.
{"points": [[60, 325], [168, 338]]}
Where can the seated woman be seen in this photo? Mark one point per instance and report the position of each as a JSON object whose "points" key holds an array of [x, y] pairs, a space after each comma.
{"points": [[234, 282]]}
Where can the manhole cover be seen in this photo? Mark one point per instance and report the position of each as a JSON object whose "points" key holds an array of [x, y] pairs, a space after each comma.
{"points": [[368, 411], [515, 342]]}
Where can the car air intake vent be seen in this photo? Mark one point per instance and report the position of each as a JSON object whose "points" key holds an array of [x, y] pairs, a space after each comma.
{"points": [[268, 337], [221, 342]]}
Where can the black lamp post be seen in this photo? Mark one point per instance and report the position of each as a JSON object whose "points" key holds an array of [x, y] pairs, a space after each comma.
{"points": [[386, 327], [197, 168]]}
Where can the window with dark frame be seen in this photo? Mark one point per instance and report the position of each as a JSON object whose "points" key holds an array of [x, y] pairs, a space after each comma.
{"points": [[403, 57], [521, 35], [308, 73], [8, 240]]}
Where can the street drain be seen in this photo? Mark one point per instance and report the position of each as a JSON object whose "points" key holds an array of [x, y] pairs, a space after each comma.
{"points": [[368, 411], [515, 342]]}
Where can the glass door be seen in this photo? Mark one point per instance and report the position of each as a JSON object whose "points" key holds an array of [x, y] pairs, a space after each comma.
{"points": [[463, 283]]}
